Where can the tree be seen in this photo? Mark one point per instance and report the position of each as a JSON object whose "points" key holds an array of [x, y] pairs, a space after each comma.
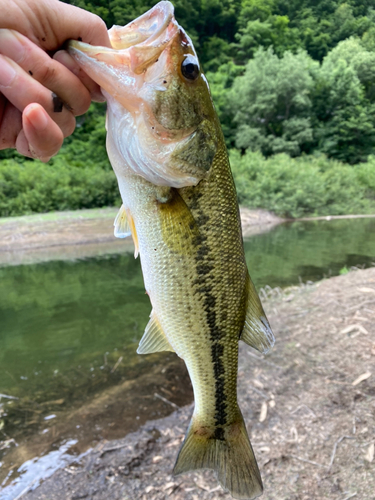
{"points": [[344, 102], [271, 103], [220, 83]]}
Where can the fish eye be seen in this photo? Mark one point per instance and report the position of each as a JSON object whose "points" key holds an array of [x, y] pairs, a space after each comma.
{"points": [[190, 68]]}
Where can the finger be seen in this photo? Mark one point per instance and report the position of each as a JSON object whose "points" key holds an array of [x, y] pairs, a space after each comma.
{"points": [[79, 24], [66, 59], [41, 137], [49, 72], [59, 22], [11, 124], [13, 82]]}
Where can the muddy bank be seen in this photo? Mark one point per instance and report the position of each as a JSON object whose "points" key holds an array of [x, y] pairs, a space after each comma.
{"points": [[309, 406], [83, 233], [59, 235], [150, 387]]}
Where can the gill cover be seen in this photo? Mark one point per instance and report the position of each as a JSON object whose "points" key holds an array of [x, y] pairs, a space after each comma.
{"points": [[161, 123]]}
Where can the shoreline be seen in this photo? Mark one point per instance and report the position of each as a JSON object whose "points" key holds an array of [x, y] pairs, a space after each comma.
{"points": [[84, 233], [72, 235], [300, 401]]}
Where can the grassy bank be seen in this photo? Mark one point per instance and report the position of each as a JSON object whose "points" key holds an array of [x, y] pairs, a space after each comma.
{"points": [[288, 187], [308, 185], [33, 187]]}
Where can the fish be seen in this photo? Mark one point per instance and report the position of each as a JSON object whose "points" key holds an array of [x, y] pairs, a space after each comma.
{"points": [[166, 146]]}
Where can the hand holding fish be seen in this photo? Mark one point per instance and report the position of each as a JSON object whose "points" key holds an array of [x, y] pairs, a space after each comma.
{"points": [[42, 89]]}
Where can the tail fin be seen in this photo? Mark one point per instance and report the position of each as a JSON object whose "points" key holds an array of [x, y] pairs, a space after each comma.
{"points": [[226, 450]]}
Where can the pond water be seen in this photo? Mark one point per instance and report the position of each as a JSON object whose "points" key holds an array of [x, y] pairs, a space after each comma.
{"points": [[69, 331]]}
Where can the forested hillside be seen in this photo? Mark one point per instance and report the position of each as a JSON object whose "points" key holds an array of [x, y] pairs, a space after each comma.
{"points": [[294, 85]]}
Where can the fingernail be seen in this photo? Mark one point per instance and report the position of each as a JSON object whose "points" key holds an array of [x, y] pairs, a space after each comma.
{"points": [[7, 72], [11, 45], [97, 96], [39, 120]]}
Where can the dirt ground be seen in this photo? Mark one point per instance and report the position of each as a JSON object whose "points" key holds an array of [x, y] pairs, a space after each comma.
{"points": [[309, 406]]}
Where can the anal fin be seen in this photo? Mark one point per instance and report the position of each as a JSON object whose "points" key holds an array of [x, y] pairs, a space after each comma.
{"points": [[154, 339], [257, 332]]}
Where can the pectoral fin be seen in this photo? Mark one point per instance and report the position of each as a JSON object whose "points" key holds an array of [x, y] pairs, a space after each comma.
{"points": [[154, 339], [121, 224], [124, 226], [257, 332]]}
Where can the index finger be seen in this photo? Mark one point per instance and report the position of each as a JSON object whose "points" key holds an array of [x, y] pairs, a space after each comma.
{"points": [[50, 23], [69, 22]]}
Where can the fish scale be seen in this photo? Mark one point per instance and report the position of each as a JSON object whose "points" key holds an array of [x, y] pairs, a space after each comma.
{"points": [[166, 147]]}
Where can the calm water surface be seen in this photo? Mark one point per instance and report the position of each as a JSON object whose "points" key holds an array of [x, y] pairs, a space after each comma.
{"points": [[65, 326]]}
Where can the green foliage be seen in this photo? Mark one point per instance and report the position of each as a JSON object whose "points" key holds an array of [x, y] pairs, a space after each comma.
{"points": [[366, 176], [343, 270], [87, 145], [274, 32], [322, 24], [345, 102], [287, 76], [35, 187], [220, 83], [272, 103], [302, 186]]}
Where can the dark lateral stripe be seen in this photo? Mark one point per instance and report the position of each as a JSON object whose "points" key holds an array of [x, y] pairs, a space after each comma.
{"points": [[203, 269]]}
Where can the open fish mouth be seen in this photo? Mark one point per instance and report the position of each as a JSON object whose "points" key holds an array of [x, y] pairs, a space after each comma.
{"points": [[146, 29], [136, 45], [155, 120]]}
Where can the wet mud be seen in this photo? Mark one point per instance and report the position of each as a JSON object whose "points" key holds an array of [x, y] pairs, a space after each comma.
{"points": [[309, 406]]}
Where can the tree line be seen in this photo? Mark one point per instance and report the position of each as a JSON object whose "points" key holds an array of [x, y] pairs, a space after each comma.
{"points": [[288, 77]]}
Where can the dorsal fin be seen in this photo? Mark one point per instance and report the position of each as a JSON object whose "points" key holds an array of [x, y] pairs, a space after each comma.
{"points": [[257, 332], [122, 228], [154, 339]]}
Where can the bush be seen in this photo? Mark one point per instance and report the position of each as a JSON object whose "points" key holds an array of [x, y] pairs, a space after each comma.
{"points": [[309, 185], [33, 186]]}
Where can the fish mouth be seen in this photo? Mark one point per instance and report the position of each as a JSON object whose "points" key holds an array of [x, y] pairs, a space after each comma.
{"points": [[143, 30], [134, 46], [141, 65]]}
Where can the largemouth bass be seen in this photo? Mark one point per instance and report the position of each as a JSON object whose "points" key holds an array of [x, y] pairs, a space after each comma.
{"points": [[166, 147]]}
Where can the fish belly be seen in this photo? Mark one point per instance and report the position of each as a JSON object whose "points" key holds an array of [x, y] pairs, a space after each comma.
{"points": [[195, 273]]}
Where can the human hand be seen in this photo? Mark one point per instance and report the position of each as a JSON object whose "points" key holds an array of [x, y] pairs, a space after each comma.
{"points": [[41, 90]]}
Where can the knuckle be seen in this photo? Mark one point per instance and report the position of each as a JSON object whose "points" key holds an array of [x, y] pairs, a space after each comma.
{"points": [[98, 23], [46, 74]]}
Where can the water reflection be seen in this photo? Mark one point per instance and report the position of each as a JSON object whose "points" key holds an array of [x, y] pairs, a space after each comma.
{"points": [[69, 330], [309, 251], [32, 472]]}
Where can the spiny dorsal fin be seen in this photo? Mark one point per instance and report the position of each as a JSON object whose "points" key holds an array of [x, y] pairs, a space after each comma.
{"points": [[122, 228], [257, 332], [154, 339]]}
